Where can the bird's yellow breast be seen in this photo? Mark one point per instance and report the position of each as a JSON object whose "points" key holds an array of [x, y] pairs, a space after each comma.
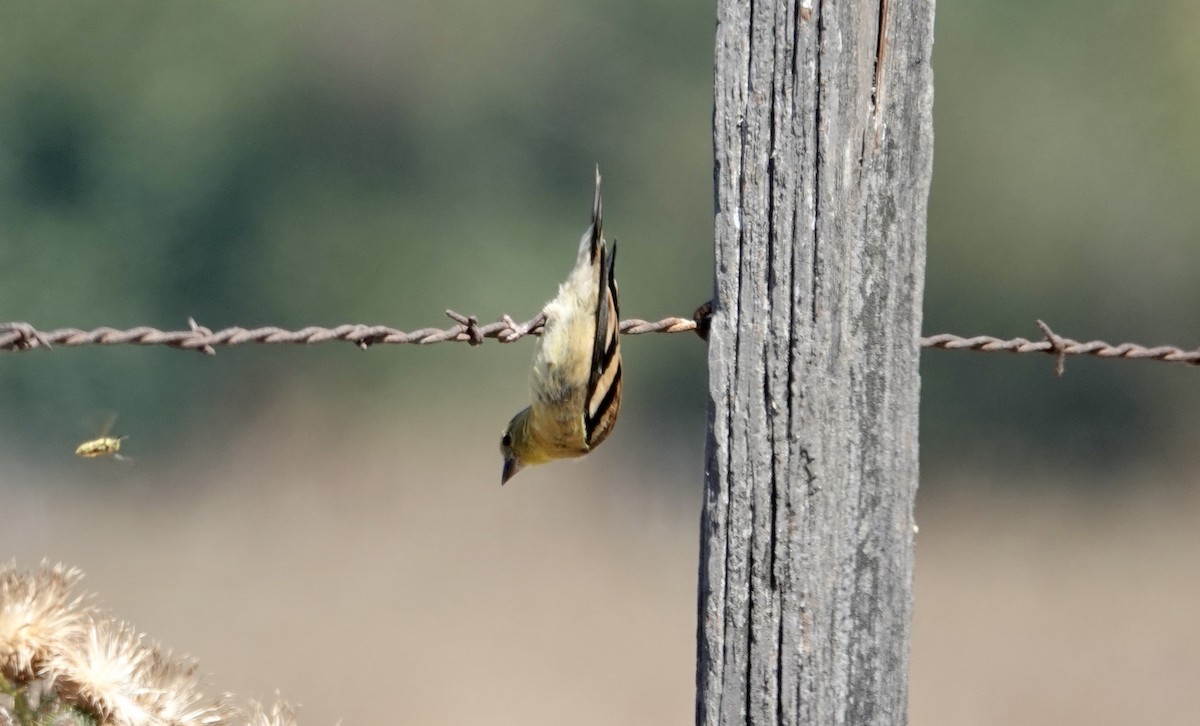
{"points": [[560, 375]]}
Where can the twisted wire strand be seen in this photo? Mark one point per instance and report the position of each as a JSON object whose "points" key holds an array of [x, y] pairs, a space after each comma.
{"points": [[19, 336], [23, 336], [1061, 347], [1096, 348]]}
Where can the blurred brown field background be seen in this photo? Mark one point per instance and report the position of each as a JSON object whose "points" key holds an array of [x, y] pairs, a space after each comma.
{"points": [[329, 522]]}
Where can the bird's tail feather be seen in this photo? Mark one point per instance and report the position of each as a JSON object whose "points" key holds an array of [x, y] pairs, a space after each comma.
{"points": [[589, 245]]}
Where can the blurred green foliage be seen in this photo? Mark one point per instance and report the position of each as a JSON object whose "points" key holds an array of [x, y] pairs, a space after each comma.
{"points": [[318, 163], [1066, 176], [321, 162]]}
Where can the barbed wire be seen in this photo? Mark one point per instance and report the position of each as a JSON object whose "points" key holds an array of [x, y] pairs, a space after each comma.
{"points": [[23, 336], [18, 336], [1061, 347]]}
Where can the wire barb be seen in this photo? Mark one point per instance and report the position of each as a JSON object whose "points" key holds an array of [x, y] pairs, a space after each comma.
{"points": [[20, 336], [1057, 346], [200, 330], [470, 325]]}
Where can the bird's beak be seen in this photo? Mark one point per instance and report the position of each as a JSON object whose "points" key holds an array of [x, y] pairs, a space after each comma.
{"points": [[511, 466]]}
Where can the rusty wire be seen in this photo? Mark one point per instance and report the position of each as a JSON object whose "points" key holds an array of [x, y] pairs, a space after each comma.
{"points": [[23, 336], [1061, 347]]}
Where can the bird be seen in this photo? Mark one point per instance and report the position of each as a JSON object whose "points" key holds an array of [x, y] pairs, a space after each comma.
{"points": [[575, 383]]}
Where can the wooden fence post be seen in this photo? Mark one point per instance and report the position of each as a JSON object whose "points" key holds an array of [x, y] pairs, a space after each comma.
{"points": [[824, 145]]}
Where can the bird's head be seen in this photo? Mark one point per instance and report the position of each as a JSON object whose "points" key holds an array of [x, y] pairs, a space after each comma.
{"points": [[521, 446], [514, 446]]}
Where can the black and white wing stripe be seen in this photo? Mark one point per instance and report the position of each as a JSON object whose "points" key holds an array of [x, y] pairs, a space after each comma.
{"points": [[603, 396]]}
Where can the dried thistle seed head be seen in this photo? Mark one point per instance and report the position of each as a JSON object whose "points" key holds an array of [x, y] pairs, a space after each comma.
{"points": [[111, 671], [280, 714], [37, 614]]}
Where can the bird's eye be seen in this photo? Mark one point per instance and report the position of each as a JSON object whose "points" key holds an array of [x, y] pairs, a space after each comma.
{"points": [[506, 441]]}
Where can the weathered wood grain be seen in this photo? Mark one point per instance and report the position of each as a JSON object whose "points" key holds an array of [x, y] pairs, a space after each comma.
{"points": [[822, 179]]}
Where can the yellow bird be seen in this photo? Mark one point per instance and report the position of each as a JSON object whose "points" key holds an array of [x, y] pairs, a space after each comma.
{"points": [[576, 379]]}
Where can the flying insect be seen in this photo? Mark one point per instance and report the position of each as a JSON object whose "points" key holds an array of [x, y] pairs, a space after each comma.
{"points": [[103, 445]]}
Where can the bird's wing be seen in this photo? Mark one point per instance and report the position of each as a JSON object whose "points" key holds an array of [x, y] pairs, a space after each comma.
{"points": [[603, 393]]}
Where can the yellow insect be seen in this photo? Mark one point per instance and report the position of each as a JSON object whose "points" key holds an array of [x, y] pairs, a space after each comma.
{"points": [[103, 445]]}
